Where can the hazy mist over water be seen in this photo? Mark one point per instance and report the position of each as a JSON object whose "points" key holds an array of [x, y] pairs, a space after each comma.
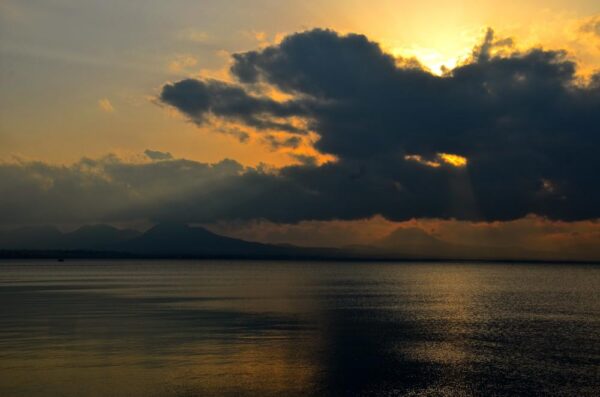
{"points": [[234, 328]]}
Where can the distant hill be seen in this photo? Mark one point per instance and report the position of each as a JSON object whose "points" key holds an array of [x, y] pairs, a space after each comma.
{"points": [[171, 239], [33, 238], [92, 237], [97, 237], [414, 242]]}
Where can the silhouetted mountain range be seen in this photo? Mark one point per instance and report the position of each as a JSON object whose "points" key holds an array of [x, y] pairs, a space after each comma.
{"points": [[175, 240], [163, 240]]}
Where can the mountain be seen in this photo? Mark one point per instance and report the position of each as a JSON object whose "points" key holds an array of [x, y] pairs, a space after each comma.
{"points": [[171, 239], [408, 238], [92, 237], [31, 237], [96, 237], [413, 242], [167, 239]]}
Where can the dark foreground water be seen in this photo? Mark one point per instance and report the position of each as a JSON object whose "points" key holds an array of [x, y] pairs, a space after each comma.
{"points": [[169, 328]]}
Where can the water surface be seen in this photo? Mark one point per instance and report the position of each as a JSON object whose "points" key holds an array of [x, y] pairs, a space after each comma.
{"points": [[232, 328]]}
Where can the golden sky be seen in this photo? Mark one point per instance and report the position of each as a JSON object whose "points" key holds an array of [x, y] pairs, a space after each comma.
{"points": [[80, 78]]}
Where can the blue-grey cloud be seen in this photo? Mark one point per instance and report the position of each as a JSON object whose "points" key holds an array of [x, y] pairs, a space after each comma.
{"points": [[157, 155], [106, 189]]}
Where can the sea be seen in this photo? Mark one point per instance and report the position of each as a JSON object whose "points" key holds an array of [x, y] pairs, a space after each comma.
{"points": [[290, 328]]}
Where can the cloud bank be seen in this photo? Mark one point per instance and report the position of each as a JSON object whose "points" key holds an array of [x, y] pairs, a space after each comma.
{"points": [[523, 122], [501, 136]]}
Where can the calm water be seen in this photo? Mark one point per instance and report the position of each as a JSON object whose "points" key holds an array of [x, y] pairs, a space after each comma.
{"points": [[169, 328]]}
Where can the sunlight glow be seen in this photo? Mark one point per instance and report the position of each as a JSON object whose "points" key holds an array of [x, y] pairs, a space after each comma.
{"points": [[435, 61], [453, 160], [419, 159]]}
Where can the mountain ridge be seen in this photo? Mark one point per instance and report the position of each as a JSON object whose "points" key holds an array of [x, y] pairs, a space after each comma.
{"points": [[179, 240]]}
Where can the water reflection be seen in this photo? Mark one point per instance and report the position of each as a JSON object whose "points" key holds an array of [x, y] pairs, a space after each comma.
{"points": [[271, 329]]}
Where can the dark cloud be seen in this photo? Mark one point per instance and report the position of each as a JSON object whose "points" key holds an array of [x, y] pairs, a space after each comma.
{"points": [[157, 155], [197, 99], [526, 124]]}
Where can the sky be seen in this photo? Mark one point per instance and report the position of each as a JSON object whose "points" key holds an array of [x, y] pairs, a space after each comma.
{"points": [[307, 122]]}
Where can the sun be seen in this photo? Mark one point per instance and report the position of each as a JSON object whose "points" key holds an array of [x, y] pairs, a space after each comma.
{"points": [[441, 54]]}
